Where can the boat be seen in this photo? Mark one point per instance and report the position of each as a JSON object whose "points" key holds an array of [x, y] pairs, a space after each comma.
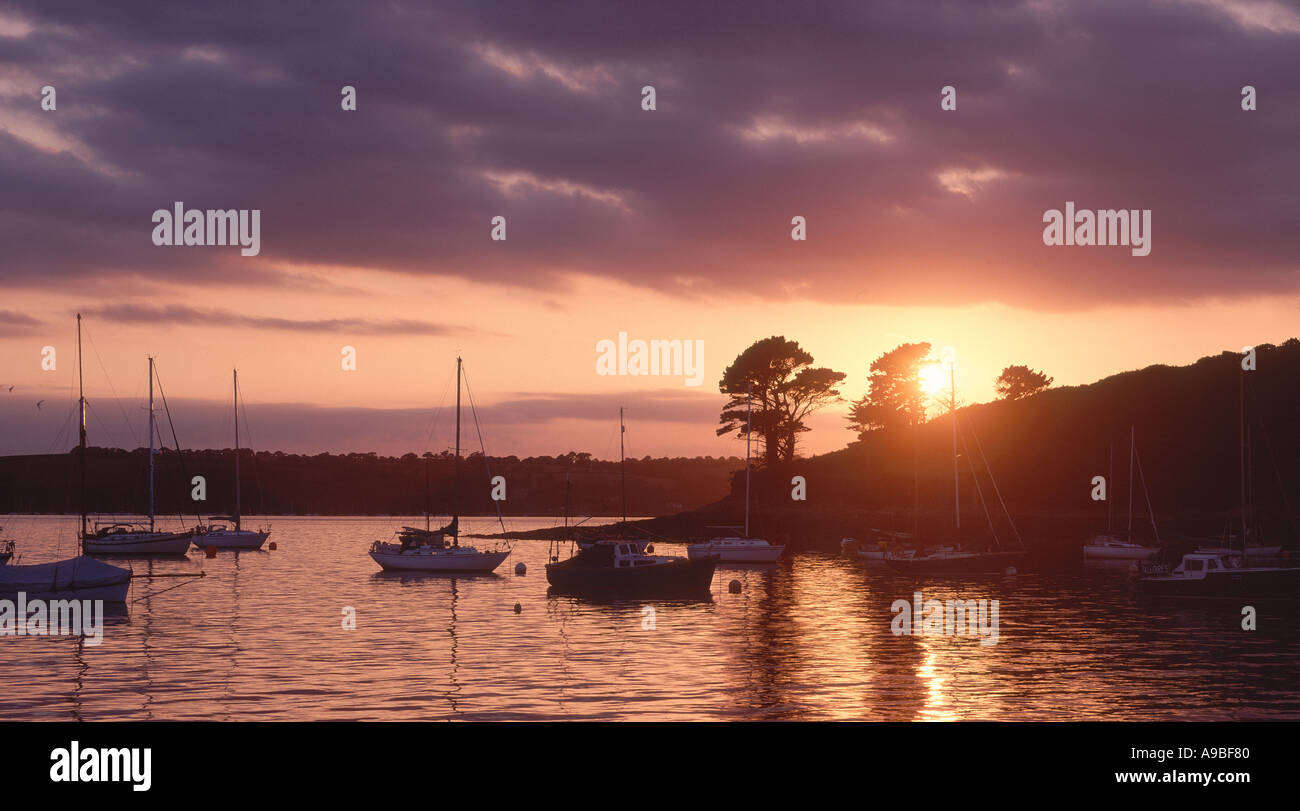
{"points": [[623, 569], [135, 539], [1110, 545], [78, 578], [930, 560], [7, 550], [232, 535], [743, 549], [429, 550], [1212, 575]]}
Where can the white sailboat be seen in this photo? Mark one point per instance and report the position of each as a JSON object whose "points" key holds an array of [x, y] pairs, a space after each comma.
{"points": [[134, 539], [745, 549], [427, 550], [79, 578], [233, 536], [1110, 546]]}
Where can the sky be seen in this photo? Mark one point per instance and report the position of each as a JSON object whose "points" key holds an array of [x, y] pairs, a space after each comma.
{"points": [[922, 224]]}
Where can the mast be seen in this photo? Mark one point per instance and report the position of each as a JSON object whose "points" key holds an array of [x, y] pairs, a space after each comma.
{"points": [[455, 522], [81, 409], [956, 482], [236, 371], [749, 423], [1241, 412], [151, 520], [1131, 441], [622, 464], [1110, 479]]}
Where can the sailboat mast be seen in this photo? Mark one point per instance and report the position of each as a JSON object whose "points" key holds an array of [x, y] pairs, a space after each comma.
{"points": [[1110, 483], [237, 505], [1241, 412], [455, 523], [622, 462], [81, 455], [151, 517], [956, 481], [1131, 441], [749, 424]]}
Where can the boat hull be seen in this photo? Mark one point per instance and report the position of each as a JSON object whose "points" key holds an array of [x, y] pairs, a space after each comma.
{"points": [[234, 539], [1227, 584], [82, 578], [981, 563], [442, 561], [766, 553], [681, 577], [143, 544], [1119, 552]]}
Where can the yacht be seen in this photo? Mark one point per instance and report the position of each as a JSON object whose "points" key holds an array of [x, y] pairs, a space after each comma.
{"points": [[232, 535], [745, 549], [137, 539], [1111, 545], [428, 550], [79, 578]]}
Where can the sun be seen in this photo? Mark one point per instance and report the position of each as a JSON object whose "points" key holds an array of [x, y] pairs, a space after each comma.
{"points": [[934, 378]]}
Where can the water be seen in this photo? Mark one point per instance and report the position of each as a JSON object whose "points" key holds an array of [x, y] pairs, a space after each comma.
{"points": [[261, 638]]}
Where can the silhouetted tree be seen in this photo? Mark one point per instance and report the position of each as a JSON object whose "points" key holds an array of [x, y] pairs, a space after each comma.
{"points": [[1016, 382], [785, 389], [895, 398]]}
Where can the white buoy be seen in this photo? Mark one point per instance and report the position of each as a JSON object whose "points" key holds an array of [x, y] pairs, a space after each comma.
{"points": [[520, 568], [1011, 570]]}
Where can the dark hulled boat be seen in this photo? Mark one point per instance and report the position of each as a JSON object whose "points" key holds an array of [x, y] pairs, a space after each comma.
{"points": [[1214, 576], [620, 568]]}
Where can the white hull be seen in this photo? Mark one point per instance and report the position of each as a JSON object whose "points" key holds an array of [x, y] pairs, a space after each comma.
{"points": [[455, 559], [232, 539], [139, 543], [736, 550]]}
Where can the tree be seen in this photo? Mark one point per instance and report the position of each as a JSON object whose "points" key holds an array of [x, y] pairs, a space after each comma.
{"points": [[895, 398], [1017, 382], [785, 389]]}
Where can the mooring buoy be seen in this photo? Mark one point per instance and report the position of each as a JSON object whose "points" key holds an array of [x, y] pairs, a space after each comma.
{"points": [[520, 568], [519, 609], [734, 587]]}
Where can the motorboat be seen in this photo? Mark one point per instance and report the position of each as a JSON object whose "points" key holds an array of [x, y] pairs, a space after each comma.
{"points": [[622, 568]]}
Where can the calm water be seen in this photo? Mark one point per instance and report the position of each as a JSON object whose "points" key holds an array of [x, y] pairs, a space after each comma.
{"points": [[261, 638]]}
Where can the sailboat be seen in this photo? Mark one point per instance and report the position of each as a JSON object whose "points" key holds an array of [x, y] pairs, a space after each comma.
{"points": [[227, 537], [622, 568], [744, 549], [428, 550], [946, 560], [1111, 546], [1222, 572], [79, 578], [117, 538]]}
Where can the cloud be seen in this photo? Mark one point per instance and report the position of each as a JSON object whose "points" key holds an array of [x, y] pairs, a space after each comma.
{"points": [[173, 314], [828, 111], [15, 323]]}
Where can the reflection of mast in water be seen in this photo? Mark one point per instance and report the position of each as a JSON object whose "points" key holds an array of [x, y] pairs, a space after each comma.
{"points": [[760, 638], [144, 644], [235, 649], [454, 686]]}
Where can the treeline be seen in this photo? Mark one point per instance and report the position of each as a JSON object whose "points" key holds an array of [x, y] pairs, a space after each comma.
{"points": [[1045, 449], [276, 483]]}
